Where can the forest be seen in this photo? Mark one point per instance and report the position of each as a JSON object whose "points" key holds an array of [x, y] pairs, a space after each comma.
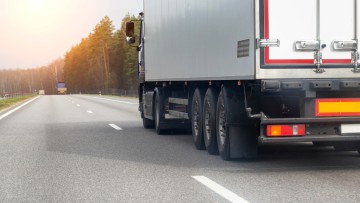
{"points": [[101, 62]]}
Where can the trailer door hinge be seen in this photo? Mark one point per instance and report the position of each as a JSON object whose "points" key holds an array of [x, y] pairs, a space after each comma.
{"points": [[355, 61], [350, 45], [262, 43], [316, 47]]}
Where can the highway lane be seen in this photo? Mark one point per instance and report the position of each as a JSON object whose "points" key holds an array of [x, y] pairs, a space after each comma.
{"points": [[65, 148]]}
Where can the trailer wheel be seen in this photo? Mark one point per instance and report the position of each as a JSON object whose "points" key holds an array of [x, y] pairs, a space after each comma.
{"points": [[147, 123], [210, 139], [197, 119], [158, 111], [221, 132]]}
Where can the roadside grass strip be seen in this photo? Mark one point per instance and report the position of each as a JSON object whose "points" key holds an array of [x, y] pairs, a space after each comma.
{"points": [[17, 108]]}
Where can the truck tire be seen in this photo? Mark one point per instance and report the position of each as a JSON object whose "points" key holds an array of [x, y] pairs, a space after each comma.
{"points": [[209, 130], [197, 119], [147, 123], [239, 139], [221, 132], [158, 112]]}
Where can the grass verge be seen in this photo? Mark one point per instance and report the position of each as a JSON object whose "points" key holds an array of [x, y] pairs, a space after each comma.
{"points": [[6, 103]]}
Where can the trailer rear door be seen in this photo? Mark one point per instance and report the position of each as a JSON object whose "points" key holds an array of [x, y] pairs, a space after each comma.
{"points": [[309, 27]]}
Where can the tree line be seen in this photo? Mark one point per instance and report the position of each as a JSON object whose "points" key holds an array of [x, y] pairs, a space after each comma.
{"points": [[102, 61], [32, 80]]}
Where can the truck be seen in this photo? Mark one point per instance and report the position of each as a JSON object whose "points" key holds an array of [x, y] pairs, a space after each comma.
{"points": [[61, 88], [243, 73], [41, 92]]}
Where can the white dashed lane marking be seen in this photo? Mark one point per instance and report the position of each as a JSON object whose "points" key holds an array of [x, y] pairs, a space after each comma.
{"points": [[220, 190], [90, 112], [115, 126]]}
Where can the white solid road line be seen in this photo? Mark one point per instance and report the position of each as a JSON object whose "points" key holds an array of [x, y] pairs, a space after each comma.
{"points": [[115, 127], [15, 109], [113, 100], [227, 194], [89, 111]]}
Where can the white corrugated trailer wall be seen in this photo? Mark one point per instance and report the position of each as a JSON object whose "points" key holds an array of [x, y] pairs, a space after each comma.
{"points": [[188, 40]]}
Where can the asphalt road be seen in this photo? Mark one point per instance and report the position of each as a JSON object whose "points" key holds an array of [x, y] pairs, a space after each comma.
{"points": [[90, 149]]}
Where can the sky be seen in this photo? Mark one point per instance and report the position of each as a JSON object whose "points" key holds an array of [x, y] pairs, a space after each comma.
{"points": [[33, 33]]}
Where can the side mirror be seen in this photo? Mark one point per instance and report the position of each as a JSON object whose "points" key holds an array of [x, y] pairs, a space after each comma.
{"points": [[130, 32], [130, 40]]}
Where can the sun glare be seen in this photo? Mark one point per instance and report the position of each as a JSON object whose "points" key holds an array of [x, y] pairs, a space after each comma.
{"points": [[37, 4]]}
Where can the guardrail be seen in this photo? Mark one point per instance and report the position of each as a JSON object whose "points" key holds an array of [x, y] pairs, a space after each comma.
{"points": [[115, 92]]}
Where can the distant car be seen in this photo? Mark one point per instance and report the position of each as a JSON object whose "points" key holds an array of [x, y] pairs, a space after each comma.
{"points": [[41, 92]]}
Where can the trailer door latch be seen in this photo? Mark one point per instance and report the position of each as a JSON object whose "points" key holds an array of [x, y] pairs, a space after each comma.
{"points": [[345, 45], [307, 45], [262, 43], [316, 47], [350, 45]]}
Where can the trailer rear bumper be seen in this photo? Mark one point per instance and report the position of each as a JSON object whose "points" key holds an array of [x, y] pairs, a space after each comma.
{"points": [[317, 130], [327, 138]]}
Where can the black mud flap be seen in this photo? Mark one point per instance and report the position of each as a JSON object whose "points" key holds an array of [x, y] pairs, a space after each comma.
{"points": [[242, 146], [242, 137]]}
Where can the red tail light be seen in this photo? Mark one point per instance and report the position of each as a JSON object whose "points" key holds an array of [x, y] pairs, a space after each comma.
{"points": [[285, 130]]}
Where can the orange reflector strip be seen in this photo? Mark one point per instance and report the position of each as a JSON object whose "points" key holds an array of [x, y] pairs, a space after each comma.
{"points": [[337, 107], [285, 130]]}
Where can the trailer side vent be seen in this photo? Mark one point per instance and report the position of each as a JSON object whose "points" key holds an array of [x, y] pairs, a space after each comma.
{"points": [[243, 49]]}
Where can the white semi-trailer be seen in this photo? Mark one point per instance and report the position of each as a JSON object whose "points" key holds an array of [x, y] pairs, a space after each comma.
{"points": [[244, 72]]}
